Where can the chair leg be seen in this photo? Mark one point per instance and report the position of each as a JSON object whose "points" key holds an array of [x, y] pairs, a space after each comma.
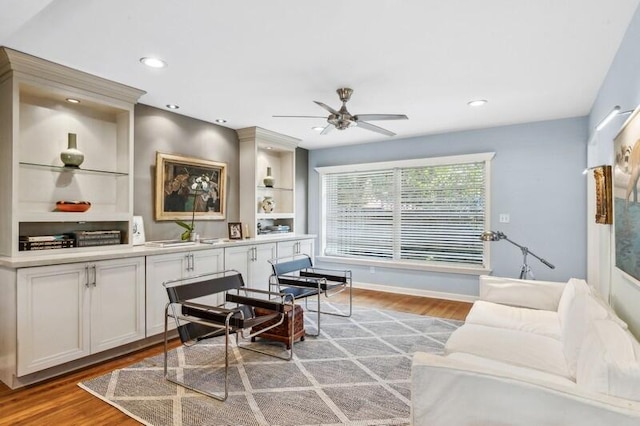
{"points": [[289, 346], [193, 388], [327, 295]]}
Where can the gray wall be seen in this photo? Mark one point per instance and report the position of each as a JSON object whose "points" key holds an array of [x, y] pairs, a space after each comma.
{"points": [[164, 131], [621, 87], [536, 178], [302, 164]]}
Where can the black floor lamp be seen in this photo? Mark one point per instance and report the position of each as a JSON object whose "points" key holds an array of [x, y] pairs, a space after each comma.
{"points": [[525, 271]]}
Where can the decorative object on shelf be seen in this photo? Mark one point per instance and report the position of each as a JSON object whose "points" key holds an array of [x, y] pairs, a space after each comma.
{"points": [[72, 156], [175, 194], [268, 179], [268, 204], [45, 242], [106, 237], [72, 206], [202, 184], [235, 230], [138, 231], [525, 270], [279, 228]]}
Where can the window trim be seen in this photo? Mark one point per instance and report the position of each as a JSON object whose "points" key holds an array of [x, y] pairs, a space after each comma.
{"points": [[485, 157]]}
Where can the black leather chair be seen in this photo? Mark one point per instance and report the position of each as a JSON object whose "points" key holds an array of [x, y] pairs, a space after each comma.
{"points": [[296, 276], [197, 319]]}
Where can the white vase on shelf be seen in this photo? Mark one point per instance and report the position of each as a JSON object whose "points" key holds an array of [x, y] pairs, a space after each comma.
{"points": [[72, 156], [268, 204], [268, 179]]}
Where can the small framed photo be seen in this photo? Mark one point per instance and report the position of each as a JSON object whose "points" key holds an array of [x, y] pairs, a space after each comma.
{"points": [[235, 230]]}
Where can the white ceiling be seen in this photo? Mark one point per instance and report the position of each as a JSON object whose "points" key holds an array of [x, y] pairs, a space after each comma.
{"points": [[246, 60]]}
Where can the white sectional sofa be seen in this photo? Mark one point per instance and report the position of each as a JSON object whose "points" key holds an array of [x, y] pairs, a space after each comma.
{"points": [[532, 353]]}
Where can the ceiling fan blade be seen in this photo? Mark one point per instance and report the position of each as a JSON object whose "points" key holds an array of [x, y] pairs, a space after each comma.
{"points": [[327, 107], [374, 117], [299, 116], [376, 129], [327, 129]]}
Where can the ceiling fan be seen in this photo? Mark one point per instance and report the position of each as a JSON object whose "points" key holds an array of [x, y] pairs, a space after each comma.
{"points": [[342, 119]]}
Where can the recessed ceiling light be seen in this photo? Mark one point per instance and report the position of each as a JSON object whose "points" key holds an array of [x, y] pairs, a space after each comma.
{"points": [[220, 120], [477, 103], [153, 62], [318, 128], [172, 106], [73, 101]]}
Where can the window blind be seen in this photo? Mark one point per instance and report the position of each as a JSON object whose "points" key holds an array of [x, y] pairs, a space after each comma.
{"points": [[429, 213]]}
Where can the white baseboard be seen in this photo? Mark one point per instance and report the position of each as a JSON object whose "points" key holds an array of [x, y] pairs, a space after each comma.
{"points": [[416, 292]]}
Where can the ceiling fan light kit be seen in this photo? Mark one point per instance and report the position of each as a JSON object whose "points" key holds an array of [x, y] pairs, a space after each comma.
{"points": [[342, 119]]}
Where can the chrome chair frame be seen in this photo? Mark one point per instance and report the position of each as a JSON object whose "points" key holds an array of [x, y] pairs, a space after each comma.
{"points": [[197, 321], [297, 272]]}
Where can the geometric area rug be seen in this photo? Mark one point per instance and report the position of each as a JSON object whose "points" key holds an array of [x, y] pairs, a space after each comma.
{"points": [[357, 372]]}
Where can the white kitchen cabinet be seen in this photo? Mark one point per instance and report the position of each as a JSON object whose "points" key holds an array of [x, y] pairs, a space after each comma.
{"points": [[165, 267], [66, 312], [294, 247], [252, 262]]}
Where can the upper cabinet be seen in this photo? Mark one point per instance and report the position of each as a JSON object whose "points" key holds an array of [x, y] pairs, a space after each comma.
{"points": [[41, 103], [267, 181]]}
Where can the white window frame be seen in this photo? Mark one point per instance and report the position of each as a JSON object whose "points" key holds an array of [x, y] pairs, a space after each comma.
{"points": [[421, 162]]}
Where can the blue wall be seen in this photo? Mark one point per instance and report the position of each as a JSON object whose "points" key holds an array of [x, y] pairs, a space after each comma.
{"points": [[536, 178]]}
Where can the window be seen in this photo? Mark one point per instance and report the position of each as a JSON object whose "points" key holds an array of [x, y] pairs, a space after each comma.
{"points": [[428, 211]]}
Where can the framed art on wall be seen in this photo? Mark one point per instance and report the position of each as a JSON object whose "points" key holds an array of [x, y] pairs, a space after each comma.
{"points": [[625, 192], [604, 204], [178, 196]]}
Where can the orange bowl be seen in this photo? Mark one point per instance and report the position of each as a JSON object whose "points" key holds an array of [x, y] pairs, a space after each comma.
{"points": [[73, 206]]}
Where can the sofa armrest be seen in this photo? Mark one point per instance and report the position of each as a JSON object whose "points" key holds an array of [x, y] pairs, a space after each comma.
{"points": [[524, 293], [447, 391]]}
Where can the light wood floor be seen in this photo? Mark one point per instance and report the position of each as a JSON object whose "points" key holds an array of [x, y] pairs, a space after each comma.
{"points": [[60, 401]]}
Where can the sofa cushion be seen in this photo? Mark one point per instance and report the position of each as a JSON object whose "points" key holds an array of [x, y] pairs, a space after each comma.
{"points": [[517, 372], [576, 312], [610, 312], [511, 346], [608, 362], [524, 293], [535, 321]]}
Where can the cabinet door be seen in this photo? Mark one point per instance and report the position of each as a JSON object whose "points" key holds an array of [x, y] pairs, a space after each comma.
{"points": [[206, 262], [161, 268], [291, 248], [306, 247], [252, 263], [117, 302], [53, 322], [260, 268], [239, 258]]}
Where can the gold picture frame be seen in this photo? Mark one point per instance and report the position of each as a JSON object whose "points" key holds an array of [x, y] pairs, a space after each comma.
{"points": [[175, 197], [604, 201]]}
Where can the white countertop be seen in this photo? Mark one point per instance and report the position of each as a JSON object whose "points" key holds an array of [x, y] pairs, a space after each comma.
{"points": [[89, 254]]}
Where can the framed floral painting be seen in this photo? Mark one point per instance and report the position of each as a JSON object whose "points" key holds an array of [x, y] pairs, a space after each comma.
{"points": [[178, 194]]}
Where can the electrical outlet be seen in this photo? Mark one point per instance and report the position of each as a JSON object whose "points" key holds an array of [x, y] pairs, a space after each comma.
{"points": [[504, 218]]}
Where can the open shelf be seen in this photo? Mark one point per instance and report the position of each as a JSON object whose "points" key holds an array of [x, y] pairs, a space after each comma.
{"points": [[65, 169]]}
